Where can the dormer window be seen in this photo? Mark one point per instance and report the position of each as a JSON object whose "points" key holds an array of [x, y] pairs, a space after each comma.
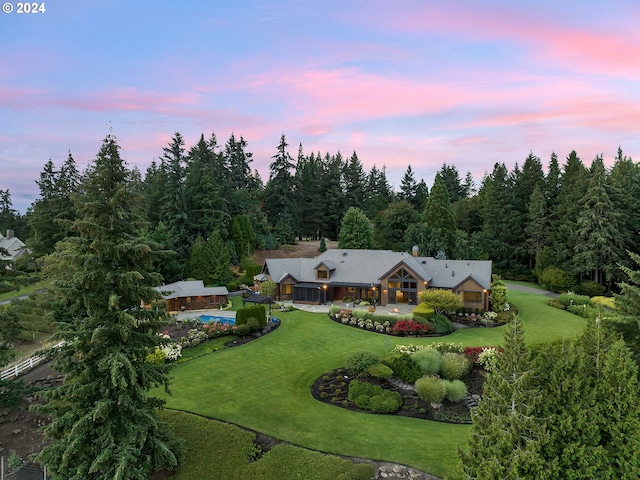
{"points": [[323, 274]]}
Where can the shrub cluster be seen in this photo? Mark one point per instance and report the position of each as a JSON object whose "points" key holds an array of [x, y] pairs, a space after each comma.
{"points": [[454, 366], [429, 359], [358, 363], [404, 367], [374, 398], [256, 311], [569, 299], [406, 327], [217, 329], [431, 389]]}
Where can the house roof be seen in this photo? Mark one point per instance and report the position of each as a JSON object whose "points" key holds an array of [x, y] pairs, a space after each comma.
{"points": [[366, 267], [14, 246], [189, 288]]}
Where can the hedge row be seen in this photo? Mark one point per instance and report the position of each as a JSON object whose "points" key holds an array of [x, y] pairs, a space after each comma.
{"points": [[256, 311]]}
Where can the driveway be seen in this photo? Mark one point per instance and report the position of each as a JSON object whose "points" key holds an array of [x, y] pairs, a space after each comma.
{"points": [[524, 288]]}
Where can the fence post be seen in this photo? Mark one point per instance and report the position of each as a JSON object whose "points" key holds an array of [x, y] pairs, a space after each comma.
{"points": [[17, 371], [2, 468]]}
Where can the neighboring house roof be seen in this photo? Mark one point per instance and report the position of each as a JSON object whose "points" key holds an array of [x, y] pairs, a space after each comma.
{"points": [[189, 288], [364, 267], [13, 245]]}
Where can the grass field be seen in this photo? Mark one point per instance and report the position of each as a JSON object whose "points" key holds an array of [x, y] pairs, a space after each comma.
{"points": [[265, 386]]}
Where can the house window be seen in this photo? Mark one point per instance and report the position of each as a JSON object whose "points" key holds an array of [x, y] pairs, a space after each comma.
{"points": [[286, 289], [323, 274], [472, 297], [188, 299]]}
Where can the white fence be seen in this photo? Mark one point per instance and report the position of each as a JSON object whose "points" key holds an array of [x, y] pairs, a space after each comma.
{"points": [[25, 366]]}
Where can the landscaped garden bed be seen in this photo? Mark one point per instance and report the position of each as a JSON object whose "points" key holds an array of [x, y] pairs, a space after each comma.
{"points": [[332, 388]]}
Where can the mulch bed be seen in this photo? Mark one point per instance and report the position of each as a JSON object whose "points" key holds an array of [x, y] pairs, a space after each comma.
{"points": [[332, 388]]}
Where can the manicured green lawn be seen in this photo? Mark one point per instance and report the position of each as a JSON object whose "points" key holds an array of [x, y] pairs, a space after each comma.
{"points": [[265, 385]]}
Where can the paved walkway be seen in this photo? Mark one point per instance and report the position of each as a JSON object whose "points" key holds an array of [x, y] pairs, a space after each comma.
{"points": [[524, 288]]}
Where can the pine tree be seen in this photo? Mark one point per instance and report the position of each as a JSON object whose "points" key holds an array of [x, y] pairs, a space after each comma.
{"points": [[104, 425], [355, 230], [311, 198], [451, 180], [52, 214], [279, 195], [599, 245], [537, 226], [506, 435], [627, 323], [438, 214], [408, 186], [354, 182]]}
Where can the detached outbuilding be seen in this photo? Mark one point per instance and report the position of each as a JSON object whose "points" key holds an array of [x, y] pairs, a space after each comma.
{"points": [[192, 295]]}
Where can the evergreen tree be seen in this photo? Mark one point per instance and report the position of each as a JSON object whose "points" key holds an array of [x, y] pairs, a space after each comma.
{"points": [[506, 435], [536, 229], [166, 261], [451, 180], [334, 198], [311, 198], [421, 196], [220, 273], [627, 323], [279, 195], [469, 185], [52, 214], [355, 230], [599, 244], [408, 186], [565, 212], [104, 423], [438, 214], [200, 264], [172, 207], [242, 187], [354, 182], [378, 192], [624, 179], [9, 216], [206, 188]]}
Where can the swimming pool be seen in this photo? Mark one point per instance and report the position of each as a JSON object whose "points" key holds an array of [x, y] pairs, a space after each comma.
{"points": [[217, 318]]}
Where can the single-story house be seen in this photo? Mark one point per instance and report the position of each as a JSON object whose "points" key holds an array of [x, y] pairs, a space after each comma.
{"points": [[11, 247], [384, 276], [192, 295]]}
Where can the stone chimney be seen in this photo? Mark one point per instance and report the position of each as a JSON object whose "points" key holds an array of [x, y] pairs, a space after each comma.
{"points": [[9, 233], [415, 250]]}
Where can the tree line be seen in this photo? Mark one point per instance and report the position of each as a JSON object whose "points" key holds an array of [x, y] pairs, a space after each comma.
{"points": [[565, 225]]}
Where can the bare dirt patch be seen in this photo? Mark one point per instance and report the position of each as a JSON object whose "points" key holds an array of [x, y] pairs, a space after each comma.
{"points": [[303, 249]]}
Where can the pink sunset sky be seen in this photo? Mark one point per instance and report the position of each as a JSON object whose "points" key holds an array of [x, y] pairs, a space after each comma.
{"points": [[417, 83]]}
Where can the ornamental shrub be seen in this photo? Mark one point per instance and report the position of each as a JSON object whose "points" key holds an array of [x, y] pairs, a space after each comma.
{"points": [[569, 299], [454, 366], [607, 302], [590, 289], [456, 390], [374, 398], [253, 324], [404, 367], [406, 327], [444, 347], [358, 363], [431, 389], [429, 360], [555, 279], [488, 358], [242, 330], [380, 370], [441, 324], [423, 310]]}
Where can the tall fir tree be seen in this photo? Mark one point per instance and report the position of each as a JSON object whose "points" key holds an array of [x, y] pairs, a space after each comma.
{"points": [[506, 435], [104, 423], [408, 186], [599, 246], [439, 216], [279, 195], [354, 182]]}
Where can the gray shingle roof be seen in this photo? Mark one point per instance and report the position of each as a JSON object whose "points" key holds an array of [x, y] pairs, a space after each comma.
{"points": [[369, 266], [14, 246], [189, 288]]}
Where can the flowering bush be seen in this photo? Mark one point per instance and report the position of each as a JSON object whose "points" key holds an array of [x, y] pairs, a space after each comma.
{"points": [[406, 327], [488, 358], [491, 316], [444, 347], [408, 349], [172, 351], [194, 337], [217, 329]]}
